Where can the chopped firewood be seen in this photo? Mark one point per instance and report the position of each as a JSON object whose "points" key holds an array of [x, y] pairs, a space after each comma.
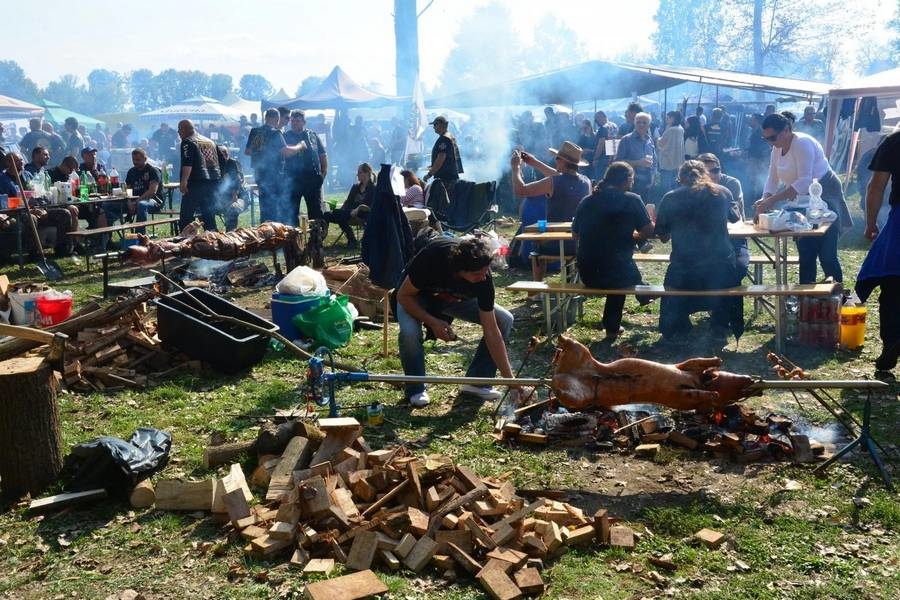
{"points": [[663, 562], [710, 538], [362, 552], [418, 521], [267, 546], [514, 557], [529, 581], [503, 534], [174, 494], [802, 451], [405, 545], [676, 437], [498, 584], [314, 497], [442, 562], [319, 565], [421, 553], [647, 450], [483, 537], [240, 524], [537, 439], [336, 551], [534, 544], [621, 537], [460, 538], [450, 521], [463, 559], [252, 532], [389, 559], [282, 531], [300, 558], [582, 535], [348, 587]]}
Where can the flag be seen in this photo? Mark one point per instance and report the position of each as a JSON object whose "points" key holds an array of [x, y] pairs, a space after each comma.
{"points": [[417, 122]]}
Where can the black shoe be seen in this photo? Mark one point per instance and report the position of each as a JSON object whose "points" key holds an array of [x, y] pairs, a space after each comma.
{"points": [[612, 336], [352, 245], [888, 359]]}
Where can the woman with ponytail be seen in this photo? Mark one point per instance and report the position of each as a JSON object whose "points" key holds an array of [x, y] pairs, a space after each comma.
{"points": [[695, 217]]}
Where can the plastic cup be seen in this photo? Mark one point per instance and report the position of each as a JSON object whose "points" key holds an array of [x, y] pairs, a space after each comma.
{"points": [[542, 225]]}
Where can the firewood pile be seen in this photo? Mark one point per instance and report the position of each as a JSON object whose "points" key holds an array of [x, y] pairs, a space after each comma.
{"points": [[331, 498], [734, 432], [353, 281]]}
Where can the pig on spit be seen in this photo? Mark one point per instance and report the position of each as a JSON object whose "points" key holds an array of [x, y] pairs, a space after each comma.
{"points": [[580, 381]]}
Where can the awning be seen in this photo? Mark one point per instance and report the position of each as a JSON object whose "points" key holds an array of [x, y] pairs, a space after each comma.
{"points": [[13, 108], [56, 114], [338, 90]]}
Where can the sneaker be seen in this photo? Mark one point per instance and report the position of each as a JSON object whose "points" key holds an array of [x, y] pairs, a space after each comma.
{"points": [[645, 247], [888, 358], [419, 400], [485, 393]]}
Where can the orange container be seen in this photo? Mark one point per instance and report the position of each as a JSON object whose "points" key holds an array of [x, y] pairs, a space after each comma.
{"points": [[14, 202], [853, 326]]}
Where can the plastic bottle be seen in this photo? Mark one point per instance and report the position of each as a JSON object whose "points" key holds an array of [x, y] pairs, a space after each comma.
{"points": [[91, 182], [817, 206], [113, 180], [165, 174], [75, 184], [102, 183]]}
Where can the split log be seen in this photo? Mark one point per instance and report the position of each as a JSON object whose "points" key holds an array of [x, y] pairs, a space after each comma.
{"points": [[30, 446]]}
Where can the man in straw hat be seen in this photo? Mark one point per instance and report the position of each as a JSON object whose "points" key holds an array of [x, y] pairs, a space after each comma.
{"points": [[563, 186]]}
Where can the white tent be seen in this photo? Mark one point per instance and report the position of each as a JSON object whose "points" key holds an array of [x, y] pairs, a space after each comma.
{"points": [[199, 108]]}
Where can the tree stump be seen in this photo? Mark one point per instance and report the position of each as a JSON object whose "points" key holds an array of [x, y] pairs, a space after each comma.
{"points": [[30, 447]]}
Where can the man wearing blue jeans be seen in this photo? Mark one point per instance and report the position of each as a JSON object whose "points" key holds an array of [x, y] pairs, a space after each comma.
{"points": [[450, 278]]}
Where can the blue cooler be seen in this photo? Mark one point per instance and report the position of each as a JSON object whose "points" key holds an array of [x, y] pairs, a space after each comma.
{"points": [[285, 307]]}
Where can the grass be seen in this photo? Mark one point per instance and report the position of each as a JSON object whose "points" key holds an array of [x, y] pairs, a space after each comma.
{"points": [[834, 537]]}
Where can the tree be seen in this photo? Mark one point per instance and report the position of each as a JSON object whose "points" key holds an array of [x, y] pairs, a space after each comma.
{"points": [[554, 55], [192, 83], [14, 83], [894, 29], [691, 33], [309, 84], [255, 87], [466, 66], [69, 93], [106, 91], [143, 90], [220, 85]]}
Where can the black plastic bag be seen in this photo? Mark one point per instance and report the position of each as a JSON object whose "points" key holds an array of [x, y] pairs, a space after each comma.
{"points": [[114, 464]]}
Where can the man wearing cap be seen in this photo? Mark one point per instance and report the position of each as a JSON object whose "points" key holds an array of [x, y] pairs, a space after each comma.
{"points": [[638, 150], [564, 187], [446, 163]]}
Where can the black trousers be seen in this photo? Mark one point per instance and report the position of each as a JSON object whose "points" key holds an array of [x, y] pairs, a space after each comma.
{"points": [[889, 311], [201, 195], [308, 187]]}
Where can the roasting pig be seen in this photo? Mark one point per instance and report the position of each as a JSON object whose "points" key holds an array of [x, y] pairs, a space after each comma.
{"points": [[580, 381]]}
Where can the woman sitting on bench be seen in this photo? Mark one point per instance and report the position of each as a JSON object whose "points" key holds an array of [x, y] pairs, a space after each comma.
{"points": [[695, 216], [604, 225]]}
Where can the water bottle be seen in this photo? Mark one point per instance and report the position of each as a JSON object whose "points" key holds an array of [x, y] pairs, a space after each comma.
{"points": [[817, 206]]}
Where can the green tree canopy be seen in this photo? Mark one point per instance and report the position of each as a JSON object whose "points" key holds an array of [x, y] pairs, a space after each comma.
{"points": [[255, 87], [14, 83], [220, 85]]}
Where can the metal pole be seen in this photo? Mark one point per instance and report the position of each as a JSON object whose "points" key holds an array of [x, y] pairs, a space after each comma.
{"points": [[804, 384], [479, 381]]}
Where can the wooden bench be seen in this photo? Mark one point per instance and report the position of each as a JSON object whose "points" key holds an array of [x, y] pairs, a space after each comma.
{"points": [[83, 234], [564, 291]]}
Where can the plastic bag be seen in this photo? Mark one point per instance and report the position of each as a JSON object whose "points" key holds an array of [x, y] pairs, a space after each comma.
{"points": [[303, 281], [114, 464], [329, 324]]}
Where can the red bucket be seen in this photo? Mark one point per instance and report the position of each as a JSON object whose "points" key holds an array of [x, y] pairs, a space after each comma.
{"points": [[53, 309]]}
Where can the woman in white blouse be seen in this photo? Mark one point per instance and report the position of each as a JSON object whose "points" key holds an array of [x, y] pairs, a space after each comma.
{"points": [[796, 160]]}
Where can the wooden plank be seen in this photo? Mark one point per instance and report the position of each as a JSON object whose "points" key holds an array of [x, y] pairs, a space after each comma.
{"points": [[319, 565], [299, 558], [514, 557], [522, 513], [529, 581], [314, 498], [389, 559], [621, 537], [295, 456], [385, 499], [344, 499], [336, 439], [57, 501], [348, 587], [413, 476], [421, 553], [601, 525], [405, 545], [280, 530], [362, 552], [459, 537]]}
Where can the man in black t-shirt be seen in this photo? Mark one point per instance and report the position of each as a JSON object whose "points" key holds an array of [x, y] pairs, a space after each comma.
{"points": [[446, 164], [145, 183], [165, 140], [200, 174], [34, 138], [304, 170], [451, 278]]}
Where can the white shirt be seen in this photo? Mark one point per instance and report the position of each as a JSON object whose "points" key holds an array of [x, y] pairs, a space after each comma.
{"points": [[671, 148], [804, 161]]}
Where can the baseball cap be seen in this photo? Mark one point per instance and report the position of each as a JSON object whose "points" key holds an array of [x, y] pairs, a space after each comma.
{"points": [[87, 149], [439, 119]]}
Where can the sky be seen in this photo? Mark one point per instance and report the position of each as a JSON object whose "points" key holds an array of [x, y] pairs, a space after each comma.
{"points": [[283, 40]]}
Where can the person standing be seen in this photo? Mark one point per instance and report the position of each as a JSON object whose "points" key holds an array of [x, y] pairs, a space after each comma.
{"points": [[671, 150], [451, 278], [165, 143], [446, 164], [306, 164], [881, 267], [795, 160], [606, 130], [604, 227], [200, 174], [265, 147], [34, 138], [639, 151], [72, 138], [810, 125]]}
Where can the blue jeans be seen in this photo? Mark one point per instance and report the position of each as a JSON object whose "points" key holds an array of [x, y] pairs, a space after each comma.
{"points": [[825, 248], [412, 351]]}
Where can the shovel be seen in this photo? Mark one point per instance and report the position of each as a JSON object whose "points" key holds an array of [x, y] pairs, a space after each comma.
{"points": [[48, 269]]}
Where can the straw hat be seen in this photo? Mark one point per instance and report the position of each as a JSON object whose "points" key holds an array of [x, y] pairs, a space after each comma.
{"points": [[571, 153]]}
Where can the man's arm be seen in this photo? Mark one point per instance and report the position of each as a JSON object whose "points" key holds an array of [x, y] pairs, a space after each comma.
{"points": [[183, 182], [535, 188], [323, 164], [874, 200], [493, 339], [435, 166], [408, 297]]}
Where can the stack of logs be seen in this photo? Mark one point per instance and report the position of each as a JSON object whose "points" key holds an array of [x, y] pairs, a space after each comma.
{"points": [[332, 498]]}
